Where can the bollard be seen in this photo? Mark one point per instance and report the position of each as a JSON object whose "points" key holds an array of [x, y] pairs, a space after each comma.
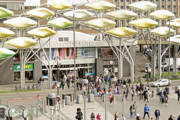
{"points": [[153, 93], [36, 110], [32, 112], [158, 90], [176, 88], [67, 100], [72, 101], [79, 99], [63, 103], [90, 97]]}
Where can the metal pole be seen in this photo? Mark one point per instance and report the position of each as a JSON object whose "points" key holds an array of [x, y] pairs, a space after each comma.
{"points": [[50, 72], [169, 49], [119, 62], [123, 107], [175, 60], [85, 106], [159, 58], [105, 100], [74, 55]]}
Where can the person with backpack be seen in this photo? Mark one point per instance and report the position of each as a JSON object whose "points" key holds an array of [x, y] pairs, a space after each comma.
{"points": [[109, 90], [178, 93], [131, 109], [68, 84], [132, 94], [63, 84], [79, 115]]}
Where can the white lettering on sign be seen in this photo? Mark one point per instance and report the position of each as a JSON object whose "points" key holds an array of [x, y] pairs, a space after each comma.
{"points": [[71, 44]]}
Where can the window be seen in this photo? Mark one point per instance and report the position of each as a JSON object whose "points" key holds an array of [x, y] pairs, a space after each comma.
{"points": [[66, 39], [60, 38]]}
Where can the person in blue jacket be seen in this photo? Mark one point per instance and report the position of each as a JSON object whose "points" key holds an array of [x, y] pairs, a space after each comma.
{"points": [[146, 111]]}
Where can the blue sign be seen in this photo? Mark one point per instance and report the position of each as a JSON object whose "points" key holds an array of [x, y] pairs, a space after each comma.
{"points": [[89, 73]]}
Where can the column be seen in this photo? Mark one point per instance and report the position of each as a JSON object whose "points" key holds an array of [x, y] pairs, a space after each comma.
{"points": [[159, 58], [175, 59]]}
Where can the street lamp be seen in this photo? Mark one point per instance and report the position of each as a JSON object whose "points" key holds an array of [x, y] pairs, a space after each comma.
{"points": [[58, 66]]}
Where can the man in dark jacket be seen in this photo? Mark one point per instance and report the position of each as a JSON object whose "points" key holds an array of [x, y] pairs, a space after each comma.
{"points": [[178, 93], [157, 114]]}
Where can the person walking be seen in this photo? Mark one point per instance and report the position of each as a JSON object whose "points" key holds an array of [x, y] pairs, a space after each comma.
{"points": [[146, 111], [178, 93], [132, 94], [160, 95], [79, 115], [68, 84], [38, 99], [92, 116], [110, 99], [116, 116], [170, 118], [63, 84], [157, 114], [98, 117], [131, 109]]}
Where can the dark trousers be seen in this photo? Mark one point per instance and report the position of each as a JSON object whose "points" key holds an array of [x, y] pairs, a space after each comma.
{"points": [[145, 114], [178, 97]]}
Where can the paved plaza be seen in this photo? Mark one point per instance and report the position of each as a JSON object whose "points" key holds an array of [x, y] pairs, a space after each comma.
{"points": [[28, 99]]}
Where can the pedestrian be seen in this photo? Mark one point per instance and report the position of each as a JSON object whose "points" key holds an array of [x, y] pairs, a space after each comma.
{"points": [[160, 95], [93, 91], [68, 84], [178, 93], [146, 95], [170, 118], [131, 109], [110, 99], [116, 116], [80, 84], [132, 94], [38, 99], [77, 85], [166, 100], [79, 115], [126, 93], [92, 116], [157, 114], [98, 117], [129, 81], [109, 90], [164, 92], [138, 117], [42, 79], [146, 111], [63, 84], [178, 117], [123, 118], [102, 93], [118, 92], [115, 90]]}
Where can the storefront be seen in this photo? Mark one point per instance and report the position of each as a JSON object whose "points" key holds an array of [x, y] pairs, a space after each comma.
{"points": [[10, 72], [29, 72]]}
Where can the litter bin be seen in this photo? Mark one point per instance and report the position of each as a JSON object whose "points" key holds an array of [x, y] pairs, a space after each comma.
{"points": [[153, 93]]}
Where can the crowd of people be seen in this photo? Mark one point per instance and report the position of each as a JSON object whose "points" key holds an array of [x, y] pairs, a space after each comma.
{"points": [[98, 88]]}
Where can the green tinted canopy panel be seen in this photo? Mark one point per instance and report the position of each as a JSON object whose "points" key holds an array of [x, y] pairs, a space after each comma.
{"points": [[4, 13], [5, 53], [60, 23]]}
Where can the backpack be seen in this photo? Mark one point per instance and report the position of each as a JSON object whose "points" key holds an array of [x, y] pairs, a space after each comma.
{"points": [[62, 83], [109, 90]]}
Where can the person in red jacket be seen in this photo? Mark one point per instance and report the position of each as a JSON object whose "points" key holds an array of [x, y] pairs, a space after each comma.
{"points": [[98, 117]]}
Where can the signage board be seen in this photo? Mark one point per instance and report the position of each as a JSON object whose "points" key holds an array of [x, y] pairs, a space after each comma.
{"points": [[29, 66], [110, 62]]}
